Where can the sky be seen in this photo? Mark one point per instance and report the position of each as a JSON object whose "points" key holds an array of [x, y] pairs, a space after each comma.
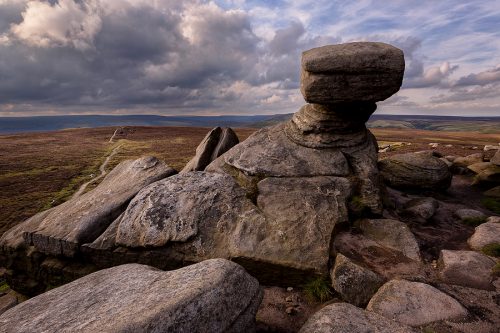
{"points": [[236, 57]]}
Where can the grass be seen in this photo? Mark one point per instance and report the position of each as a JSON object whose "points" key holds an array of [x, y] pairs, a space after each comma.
{"points": [[474, 221], [4, 287], [491, 204], [492, 249], [319, 289], [496, 270]]}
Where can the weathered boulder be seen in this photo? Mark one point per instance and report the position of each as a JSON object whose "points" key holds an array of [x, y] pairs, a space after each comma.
{"points": [[420, 208], [489, 176], [496, 158], [356, 284], [466, 268], [344, 317], [467, 213], [351, 72], [392, 234], [216, 142], [485, 234], [414, 303], [465, 161], [83, 219], [479, 167], [206, 215], [419, 170], [213, 296], [493, 193]]}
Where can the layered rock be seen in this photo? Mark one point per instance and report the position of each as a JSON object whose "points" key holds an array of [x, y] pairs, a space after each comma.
{"points": [[83, 219], [213, 296]]}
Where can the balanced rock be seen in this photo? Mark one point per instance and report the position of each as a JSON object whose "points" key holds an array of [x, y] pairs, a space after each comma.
{"points": [[83, 219], [216, 142], [419, 170], [213, 296], [466, 268], [485, 234], [414, 303], [344, 317], [356, 284], [351, 72]]}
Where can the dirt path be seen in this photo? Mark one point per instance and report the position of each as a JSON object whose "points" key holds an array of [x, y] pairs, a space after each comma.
{"points": [[102, 168], [114, 134]]}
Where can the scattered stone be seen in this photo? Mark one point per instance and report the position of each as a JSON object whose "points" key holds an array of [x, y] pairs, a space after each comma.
{"points": [[83, 219], [414, 303], [479, 167], [421, 208], [291, 310], [433, 144], [344, 317], [351, 72], [489, 176], [466, 268], [213, 296], [496, 158], [448, 146], [392, 234], [353, 282], [216, 142], [419, 170], [450, 158], [289, 289], [448, 163], [485, 234], [466, 213], [493, 193]]}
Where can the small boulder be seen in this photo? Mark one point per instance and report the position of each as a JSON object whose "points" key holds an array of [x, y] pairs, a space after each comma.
{"points": [[414, 303], [479, 167], [466, 213], [344, 317], [392, 234], [489, 176], [466, 268], [485, 234], [421, 170], [465, 161], [216, 142], [356, 284], [496, 158], [421, 208], [493, 193], [491, 147], [212, 296], [351, 72]]}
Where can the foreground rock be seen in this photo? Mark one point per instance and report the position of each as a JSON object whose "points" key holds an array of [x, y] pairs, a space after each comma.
{"points": [[352, 72], [466, 268], [414, 303], [216, 142], [419, 170], [344, 317], [356, 284], [82, 220], [213, 296], [485, 234]]}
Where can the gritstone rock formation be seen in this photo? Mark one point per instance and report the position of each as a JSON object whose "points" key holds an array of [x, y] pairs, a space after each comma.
{"points": [[270, 203]]}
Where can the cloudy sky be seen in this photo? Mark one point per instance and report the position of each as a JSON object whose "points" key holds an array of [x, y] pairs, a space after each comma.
{"points": [[236, 57]]}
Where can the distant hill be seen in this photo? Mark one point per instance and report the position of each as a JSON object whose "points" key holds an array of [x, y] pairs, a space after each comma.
{"points": [[52, 123]]}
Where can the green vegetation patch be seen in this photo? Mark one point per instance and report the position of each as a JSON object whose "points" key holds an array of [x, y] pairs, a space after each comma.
{"points": [[474, 221], [491, 204], [496, 270], [319, 289], [492, 249], [4, 287]]}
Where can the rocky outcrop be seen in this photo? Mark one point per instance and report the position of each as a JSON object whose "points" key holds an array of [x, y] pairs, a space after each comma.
{"points": [[356, 284], [83, 219], [466, 268], [344, 317], [485, 234], [414, 303], [216, 142], [213, 296], [419, 170]]}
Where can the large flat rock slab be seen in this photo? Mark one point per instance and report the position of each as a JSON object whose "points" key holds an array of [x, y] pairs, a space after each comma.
{"points": [[270, 153], [212, 296], [83, 219], [344, 317], [351, 72]]}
